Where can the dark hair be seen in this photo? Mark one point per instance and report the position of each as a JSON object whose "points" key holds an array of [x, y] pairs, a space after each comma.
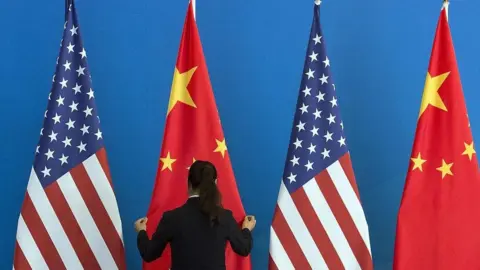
{"points": [[201, 177]]}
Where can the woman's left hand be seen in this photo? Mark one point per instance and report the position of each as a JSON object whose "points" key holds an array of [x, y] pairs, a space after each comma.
{"points": [[141, 224]]}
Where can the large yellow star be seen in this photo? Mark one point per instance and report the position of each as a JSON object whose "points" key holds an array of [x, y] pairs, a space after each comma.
{"points": [[179, 91], [445, 168], [430, 92], [469, 150], [418, 162], [221, 147], [167, 162]]}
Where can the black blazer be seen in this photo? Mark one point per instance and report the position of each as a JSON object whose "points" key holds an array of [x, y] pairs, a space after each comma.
{"points": [[194, 243]]}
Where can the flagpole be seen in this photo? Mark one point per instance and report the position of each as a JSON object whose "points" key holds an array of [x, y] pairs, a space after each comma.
{"points": [[193, 7], [445, 6], [67, 6]]}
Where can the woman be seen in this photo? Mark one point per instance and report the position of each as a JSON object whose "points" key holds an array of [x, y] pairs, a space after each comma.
{"points": [[199, 230]]}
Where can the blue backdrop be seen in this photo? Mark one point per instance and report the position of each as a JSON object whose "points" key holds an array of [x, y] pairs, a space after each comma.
{"points": [[255, 51]]}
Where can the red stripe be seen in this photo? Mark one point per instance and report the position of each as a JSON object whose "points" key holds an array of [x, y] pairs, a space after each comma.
{"points": [[99, 214], [40, 235], [346, 163], [288, 241], [344, 219], [71, 227], [316, 229], [102, 159], [271, 264], [19, 260]]}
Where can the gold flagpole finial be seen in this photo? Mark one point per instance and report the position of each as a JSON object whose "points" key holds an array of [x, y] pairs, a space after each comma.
{"points": [[446, 3]]}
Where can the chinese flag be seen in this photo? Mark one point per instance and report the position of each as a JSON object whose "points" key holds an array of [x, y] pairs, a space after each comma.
{"points": [[192, 131], [438, 223]]}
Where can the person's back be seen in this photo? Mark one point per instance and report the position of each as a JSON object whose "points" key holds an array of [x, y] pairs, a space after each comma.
{"points": [[197, 232]]}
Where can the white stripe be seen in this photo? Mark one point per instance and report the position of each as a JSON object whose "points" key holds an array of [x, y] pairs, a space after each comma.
{"points": [[350, 199], [330, 224], [29, 247], [104, 190], [300, 230], [52, 223], [86, 222], [278, 253]]}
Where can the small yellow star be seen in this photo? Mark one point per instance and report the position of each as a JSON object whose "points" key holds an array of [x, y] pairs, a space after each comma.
{"points": [[221, 147], [179, 91], [167, 162], [188, 168], [469, 150], [445, 168], [418, 162], [430, 92]]}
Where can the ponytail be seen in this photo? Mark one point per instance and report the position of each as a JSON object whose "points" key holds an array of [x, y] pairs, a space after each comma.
{"points": [[210, 200], [202, 177]]}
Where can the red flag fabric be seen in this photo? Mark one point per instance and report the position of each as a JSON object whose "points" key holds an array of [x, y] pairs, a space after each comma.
{"points": [[438, 223], [193, 131]]}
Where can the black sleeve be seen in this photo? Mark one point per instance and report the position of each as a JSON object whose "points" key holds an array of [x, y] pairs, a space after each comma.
{"points": [[240, 239], [151, 249]]}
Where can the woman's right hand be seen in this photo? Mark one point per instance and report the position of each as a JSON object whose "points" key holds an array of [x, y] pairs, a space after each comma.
{"points": [[249, 223]]}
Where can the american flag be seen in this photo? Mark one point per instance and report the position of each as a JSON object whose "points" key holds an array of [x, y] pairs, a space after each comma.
{"points": [[70, 218], [319, 222]]}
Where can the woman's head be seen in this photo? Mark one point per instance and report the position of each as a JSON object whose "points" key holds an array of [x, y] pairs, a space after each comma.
{"points": [[202, 180]]}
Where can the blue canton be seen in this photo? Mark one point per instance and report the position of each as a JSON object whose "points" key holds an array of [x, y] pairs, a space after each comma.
{"points": [[317, 138], [71, 129]]}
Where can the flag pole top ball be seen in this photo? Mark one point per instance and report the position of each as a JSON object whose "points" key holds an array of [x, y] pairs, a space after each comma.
{"points": [[318, 2]]}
